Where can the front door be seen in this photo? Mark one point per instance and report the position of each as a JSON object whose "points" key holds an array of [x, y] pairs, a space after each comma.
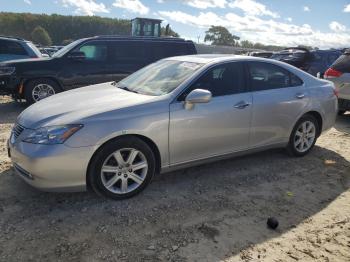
{"points": [[93, 69], [218, 127]]}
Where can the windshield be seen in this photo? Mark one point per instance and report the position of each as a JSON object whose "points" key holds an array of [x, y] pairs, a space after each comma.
{"points": [[159, 78], [67, 48], [35, 49]]}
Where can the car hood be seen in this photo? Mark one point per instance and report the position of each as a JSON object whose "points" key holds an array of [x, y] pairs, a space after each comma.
{"points": [[80, 105]]}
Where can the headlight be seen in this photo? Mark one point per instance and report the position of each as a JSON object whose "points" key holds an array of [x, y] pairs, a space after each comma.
{"points": [[51, 135], [7, 70]]}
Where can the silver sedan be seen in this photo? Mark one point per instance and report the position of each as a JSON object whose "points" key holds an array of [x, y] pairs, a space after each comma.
{"points": [[175, 113]]}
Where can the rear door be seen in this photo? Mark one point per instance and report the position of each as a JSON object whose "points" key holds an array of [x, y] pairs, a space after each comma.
{"points": [[278, 99], [126, 58]]}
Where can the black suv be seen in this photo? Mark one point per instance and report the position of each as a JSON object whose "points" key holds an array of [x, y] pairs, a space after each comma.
{"points": [[314, 62], [85, 62]]}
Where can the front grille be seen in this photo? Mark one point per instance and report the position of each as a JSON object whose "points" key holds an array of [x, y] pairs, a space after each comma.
{"points": [[17, 130]]}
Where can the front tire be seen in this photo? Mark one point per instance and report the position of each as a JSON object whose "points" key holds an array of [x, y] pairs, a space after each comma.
{"points": [[122, 168], [38, 89], [303, 136]]}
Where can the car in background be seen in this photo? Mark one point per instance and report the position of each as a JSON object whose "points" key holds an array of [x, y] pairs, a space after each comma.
{"points": [[315, 62], [12, 48], [339, 74], [175, 113], [263, 54], [47, 51], [85, 62]]}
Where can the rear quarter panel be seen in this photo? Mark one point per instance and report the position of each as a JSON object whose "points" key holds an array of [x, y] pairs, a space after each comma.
{"points": [[324, 101]]}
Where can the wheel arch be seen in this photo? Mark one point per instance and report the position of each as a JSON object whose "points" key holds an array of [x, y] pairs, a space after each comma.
{"points": [[24, 82], [317, 115], [145, 139], [319, 119]]}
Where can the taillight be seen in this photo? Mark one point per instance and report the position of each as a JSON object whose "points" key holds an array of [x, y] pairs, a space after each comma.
{"points": [[332, 73]]}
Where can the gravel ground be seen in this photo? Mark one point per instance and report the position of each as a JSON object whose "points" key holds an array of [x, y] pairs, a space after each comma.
{"points": [[213, 212]]}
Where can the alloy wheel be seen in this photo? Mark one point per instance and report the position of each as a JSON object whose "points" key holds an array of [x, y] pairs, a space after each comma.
{"points": [[305, 136], [42, 91], [124, 170]]}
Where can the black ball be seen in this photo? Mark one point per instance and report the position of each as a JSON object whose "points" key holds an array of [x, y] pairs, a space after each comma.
{"points": [[272, 222]]}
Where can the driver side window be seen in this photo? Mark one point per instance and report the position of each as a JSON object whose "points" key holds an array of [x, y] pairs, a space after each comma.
{"points": [[221, 80]]}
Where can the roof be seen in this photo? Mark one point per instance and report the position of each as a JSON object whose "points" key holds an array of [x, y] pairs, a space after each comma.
{"points": [[149, 19], [217, 58], [140, 38], [210, 58], [12, 38]]}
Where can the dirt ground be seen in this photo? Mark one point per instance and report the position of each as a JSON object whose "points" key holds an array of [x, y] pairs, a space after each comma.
{"points": [[215, 212]]}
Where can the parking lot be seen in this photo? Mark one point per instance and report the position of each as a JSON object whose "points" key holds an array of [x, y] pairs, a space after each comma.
{"points": [[212, 212]]}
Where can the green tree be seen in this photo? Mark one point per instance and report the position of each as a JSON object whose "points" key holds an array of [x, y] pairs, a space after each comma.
{"points": [[41, 36], [219, 35], [247, 44], [167, 31], [60, 27]]}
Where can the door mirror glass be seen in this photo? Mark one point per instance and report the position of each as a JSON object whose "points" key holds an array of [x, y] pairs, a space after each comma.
{"points": [[77, 55], [198, 96]]}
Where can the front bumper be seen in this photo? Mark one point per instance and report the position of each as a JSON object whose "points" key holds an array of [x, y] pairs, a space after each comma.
{"points": [[57, 168]]}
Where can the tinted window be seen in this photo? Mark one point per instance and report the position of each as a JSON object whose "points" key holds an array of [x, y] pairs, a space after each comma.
{"points": [[221, 80], [265, 76], [342, 64], [162, 50], [94, 51], [128, 52], [295, 81], [332, 58], [11, 47]]}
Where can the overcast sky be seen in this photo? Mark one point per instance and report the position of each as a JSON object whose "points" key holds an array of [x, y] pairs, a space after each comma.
{"points": [[321, 23]]}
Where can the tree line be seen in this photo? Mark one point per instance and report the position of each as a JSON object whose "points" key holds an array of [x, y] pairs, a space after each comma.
{"points": [[219, 35], [60, 29]]}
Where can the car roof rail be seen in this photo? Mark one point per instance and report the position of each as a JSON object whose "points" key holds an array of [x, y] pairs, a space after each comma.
{"points": [[155, 38], [296, 48], [12, 37]]}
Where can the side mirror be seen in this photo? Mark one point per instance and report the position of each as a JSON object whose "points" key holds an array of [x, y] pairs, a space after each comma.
{"points": [[77, 55], [197, 96]]}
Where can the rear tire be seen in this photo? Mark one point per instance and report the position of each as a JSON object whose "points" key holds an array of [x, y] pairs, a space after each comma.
{"points": [[122, 168], [303, 136], [38, 89]]}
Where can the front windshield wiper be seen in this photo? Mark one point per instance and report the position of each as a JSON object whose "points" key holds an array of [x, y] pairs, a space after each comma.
{"points": [[124, 87]]}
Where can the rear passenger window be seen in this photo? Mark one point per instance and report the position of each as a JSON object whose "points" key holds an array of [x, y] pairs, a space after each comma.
{"points": [[264, 76], [128, 52], [162, 50], [226, 79], [332, 58], [12, 48]]}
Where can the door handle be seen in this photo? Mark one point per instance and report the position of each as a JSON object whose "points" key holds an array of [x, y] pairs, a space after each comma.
{"points": [[241, 105], [300, 96]]}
